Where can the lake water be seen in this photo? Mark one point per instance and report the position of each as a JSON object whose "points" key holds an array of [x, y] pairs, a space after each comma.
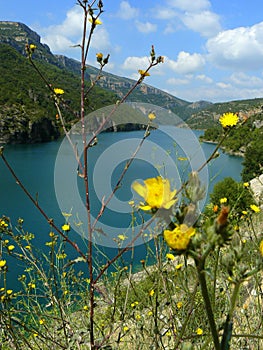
{"points": [[49, 171]]}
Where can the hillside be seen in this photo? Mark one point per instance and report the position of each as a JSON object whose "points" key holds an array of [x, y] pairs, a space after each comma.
{"points": [[24, 96], [209, 115]]}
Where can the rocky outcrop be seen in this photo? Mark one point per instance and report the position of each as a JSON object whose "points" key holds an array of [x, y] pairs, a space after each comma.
{"points": [[256, 186], [17, 127]]}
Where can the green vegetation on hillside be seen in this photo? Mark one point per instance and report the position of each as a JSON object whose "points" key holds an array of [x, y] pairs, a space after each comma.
{"points": [[24, 98], [246, 141]]}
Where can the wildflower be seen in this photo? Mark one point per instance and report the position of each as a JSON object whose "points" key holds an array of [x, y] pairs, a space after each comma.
{"points": [[156, 193], [179, 238], [122, 237], [59, 91], [51, 234], [215, 208], [178, 266], [228, 120], [9, 291], [170, 256], [138, 317], [28, 247], [134, 304], [3, 223], [150, 313], [143, 73], [99, 56], [199, 331], [2, 263], [246, 184], [168, 334], [41, 321], [151, 293], [221, 220], [31, 285], [11, 247], [61, 256], [151, 116], [85, 307], [66, 227], [179, 304], [94, 21], [32, 47], [255, 208], [223, 200], [244, 212], [261, 248], [125, 328]]}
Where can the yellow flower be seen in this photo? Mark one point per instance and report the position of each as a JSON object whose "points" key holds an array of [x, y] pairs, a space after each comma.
{"points": [[32, 47], [61, 256], [134, 304], [31, 285], [255, 208], [156, 192], [143, 73], [151, 293], [125, 328], [150, 313], [66, 227], [11, 247], [170, 256], [2, 263], [99, 55], [246, 184], [151, 116], [95, 21], [244, 212], [122, 237], [179, 238], [85, 307], [59, 91], [179, 266], [138, 317], [199, 331], [223, 200], [9, 291], [41, 321], [228, 120], [3, 223], [179, 304], [261, 247]]}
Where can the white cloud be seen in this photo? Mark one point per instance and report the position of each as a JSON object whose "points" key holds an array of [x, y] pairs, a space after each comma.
{"points": [[239, 49], [205, 22], [126, 11], [204, 78], [135, 63], [177, 81], [189, 5], [241, 79], [146, 27], [60, 38], [186, 63]]}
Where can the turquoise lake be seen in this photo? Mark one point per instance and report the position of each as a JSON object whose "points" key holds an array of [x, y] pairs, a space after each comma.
{"points": [[46, 170]]}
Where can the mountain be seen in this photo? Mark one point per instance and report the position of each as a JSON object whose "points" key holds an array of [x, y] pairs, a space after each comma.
{"points": [[28, 114], [25, 96]]}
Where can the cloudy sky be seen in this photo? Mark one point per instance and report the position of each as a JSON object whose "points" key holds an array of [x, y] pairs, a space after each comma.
{"points": [[213, 49]]}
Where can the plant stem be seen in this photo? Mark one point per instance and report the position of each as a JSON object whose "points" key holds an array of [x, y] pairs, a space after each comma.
{"points": [[200, 264]]}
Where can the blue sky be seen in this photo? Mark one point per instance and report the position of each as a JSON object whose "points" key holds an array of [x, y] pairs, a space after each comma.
{"points": [[213, 49]]}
